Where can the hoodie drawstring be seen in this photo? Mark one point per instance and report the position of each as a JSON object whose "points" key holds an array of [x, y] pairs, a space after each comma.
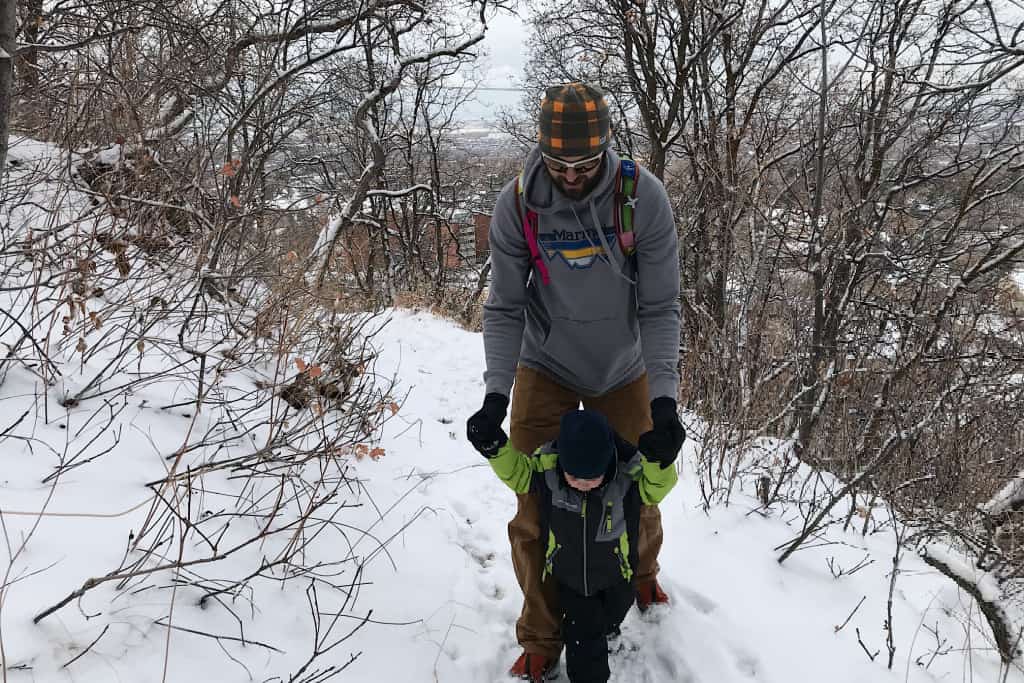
{"points": [[600, 236]]}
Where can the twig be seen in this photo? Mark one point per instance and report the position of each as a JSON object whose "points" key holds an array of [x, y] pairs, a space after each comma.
{"points": [[82, 653], [843, 625], [865, 647], [243, 641]]}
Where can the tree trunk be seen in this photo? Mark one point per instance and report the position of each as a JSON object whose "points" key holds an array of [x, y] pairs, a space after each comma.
{"points": [[26, 63], [8, 49]]}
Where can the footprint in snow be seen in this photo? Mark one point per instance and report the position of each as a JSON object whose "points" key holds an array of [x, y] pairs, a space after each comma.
{"points": [[698, 601], [746, 662]]}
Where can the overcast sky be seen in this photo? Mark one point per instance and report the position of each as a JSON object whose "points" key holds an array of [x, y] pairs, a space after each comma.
{"points": [[505, 40], [502, 68]]}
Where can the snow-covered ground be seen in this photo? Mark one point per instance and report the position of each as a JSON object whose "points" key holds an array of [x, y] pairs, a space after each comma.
{"points": [[441, 599], [437, 598]]}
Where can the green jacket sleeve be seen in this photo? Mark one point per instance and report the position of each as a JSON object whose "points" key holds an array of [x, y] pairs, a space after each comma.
{"points": [[516, 468], [654, 483]]}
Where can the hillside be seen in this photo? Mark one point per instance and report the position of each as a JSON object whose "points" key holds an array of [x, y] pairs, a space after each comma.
{"points": [[435, 597]]}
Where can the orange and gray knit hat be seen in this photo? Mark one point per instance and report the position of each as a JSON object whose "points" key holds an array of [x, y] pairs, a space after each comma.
{"points": [[574, 121]]}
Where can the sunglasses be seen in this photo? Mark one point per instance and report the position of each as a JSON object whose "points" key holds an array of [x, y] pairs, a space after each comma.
{"points": [[582, 166]]}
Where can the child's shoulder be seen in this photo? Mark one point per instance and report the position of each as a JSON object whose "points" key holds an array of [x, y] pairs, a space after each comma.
{"points": [[624, 450], [545, 457]]}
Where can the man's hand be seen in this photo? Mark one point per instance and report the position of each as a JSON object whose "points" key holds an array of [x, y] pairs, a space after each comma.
{"points": [[663, 442], [483, 428]]}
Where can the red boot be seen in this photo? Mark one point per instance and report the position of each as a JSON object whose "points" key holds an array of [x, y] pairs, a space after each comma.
{"points": [[534, 668], [650, 593]]}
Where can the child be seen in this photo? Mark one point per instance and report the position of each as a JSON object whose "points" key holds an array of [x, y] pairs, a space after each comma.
{"points": [[590, 484]]}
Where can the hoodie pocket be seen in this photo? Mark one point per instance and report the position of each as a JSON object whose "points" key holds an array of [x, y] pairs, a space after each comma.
{"points": [[595, 352]]}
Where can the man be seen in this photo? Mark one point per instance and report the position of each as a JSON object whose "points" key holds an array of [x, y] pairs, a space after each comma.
{"points": [[576, 314]]}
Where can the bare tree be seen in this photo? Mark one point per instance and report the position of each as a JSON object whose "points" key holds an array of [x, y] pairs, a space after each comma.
{"points": [[8, 21]]}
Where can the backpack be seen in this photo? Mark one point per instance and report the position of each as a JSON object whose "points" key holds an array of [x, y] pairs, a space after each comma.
{"points": [[626, 180]]}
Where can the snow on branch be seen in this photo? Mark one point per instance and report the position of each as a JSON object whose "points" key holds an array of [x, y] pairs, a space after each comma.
{"points": [[328, 238], [985, 590], [169, 128], [400, 193], [1009, 498], [67, 47], [300, 30], [175, 113]]}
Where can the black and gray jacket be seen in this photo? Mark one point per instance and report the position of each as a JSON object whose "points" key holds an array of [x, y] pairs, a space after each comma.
{"points": [[591, 537]]}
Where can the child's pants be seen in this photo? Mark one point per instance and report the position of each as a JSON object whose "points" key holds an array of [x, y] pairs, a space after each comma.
{"points": [[586, 623]]}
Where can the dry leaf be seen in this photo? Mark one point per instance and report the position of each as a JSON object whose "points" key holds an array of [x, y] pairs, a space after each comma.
{"points": [[315, 371], [317, 408], [394, 408], [377, 453], [292, 257], [228, 169], [123, 266], [235, 201], [300, 364], [361, 451], [96, 321], [141, 346], [81, 347]]}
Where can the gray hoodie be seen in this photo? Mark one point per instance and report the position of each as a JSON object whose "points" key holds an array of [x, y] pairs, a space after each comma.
{"points": [[602, 319]]}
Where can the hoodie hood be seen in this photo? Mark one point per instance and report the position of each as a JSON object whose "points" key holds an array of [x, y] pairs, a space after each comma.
{"points": [[543, 197]]}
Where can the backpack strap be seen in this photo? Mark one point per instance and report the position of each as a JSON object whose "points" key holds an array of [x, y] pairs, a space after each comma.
{"points": [[530, 229], [626, 180]]}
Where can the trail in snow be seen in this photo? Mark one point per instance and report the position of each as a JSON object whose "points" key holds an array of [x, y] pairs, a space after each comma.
{"points": [[441, 597], [737, 616]]}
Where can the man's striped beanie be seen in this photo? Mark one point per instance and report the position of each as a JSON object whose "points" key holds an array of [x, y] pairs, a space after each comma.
{"points": [[574, 121]]}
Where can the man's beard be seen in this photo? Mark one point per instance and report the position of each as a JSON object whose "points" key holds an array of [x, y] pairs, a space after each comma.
{"points": [[579, 190]]}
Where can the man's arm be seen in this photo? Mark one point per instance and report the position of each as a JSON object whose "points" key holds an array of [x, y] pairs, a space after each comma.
{"points": [[504, 312], [657, 250]]}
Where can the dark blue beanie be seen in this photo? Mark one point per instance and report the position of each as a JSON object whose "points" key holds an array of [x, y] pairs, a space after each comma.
{"points": [[585, 444]]}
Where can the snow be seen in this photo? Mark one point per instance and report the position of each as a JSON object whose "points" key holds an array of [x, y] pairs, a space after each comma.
{"points": [[437, 597], [444, 595], [983, 581], [1005, 498], [110, 156]]}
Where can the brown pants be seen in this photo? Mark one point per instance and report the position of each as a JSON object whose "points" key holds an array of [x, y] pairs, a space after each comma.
{"points": [[538, 403]]}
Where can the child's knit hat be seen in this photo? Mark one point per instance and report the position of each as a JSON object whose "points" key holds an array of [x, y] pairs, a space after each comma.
{"points": [[586, 444]]}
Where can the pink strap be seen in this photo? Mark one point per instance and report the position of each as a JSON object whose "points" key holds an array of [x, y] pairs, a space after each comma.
{"points": [[530, 232]]}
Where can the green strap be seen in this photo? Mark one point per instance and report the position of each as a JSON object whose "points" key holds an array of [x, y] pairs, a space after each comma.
{"points": [[623, 552], [626, 199], [549, 554]]}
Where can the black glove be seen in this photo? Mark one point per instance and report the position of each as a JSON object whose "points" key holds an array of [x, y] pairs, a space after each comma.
{"points": [[483, 428], [662, 443]]}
